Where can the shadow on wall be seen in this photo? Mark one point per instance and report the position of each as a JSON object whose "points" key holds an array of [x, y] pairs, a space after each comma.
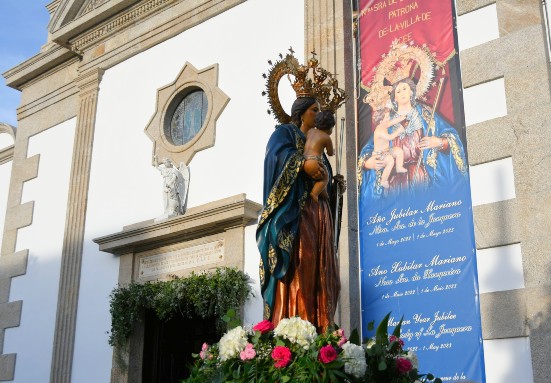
{"points": [[506, 312], [539, 328]]}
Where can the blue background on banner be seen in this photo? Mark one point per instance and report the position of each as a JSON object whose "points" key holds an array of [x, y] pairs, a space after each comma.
{"points": [[425, 271]]}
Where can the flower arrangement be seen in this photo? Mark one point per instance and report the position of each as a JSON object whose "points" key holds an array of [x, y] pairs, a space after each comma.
{"points": [[389, 361], [294, 352]]}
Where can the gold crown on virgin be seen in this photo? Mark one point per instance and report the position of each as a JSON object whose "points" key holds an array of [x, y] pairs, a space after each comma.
{"points": [[310, 80]]}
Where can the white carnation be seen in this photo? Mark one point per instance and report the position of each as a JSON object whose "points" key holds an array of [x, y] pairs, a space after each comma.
{"points": [[297, 331], [412, 356], [232, 343], [354, 359]]}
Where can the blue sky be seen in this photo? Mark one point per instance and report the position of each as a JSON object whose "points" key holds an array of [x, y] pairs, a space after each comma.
{"points": [[23, 30]]}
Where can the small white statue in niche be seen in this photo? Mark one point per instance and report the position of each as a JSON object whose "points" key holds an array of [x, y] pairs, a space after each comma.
{"points": [[175, 187]]}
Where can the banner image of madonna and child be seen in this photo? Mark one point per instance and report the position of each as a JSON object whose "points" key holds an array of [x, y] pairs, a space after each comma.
{"points": [[417, 248]]}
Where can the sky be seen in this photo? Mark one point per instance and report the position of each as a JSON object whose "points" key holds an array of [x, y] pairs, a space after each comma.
{"points": [[23, 30]]}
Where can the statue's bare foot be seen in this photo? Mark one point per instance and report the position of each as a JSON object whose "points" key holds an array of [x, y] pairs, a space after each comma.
{"points": [[401, 169], [385, 184]]}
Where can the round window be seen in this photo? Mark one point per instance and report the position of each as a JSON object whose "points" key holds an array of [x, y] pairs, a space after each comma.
{"points": [[188, 118]]}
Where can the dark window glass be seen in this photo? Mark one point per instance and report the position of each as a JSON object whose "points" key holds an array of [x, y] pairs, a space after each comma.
{"points": [[188, 118]]}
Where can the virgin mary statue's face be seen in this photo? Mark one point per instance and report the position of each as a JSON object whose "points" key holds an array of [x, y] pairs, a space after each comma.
{"points": [[402, 94]]}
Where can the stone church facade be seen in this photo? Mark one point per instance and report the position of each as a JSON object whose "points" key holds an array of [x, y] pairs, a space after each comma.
{"points": [[79, 194]]}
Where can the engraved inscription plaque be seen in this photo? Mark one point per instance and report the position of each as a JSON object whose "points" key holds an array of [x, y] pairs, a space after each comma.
{"points": [[181, 259]]}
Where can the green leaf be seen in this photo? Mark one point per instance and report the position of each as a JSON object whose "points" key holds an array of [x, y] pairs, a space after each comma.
{"points": [[437, 380], [340, 373], [398, 328], [430, 376], [231, 313], [371, 325], [234, 323], [280, 342], [382, 365], [382, 331], [285, 379]]}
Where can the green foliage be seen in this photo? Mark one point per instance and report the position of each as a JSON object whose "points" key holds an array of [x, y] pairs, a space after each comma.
{"points": [[384, 351], [217, 294]]}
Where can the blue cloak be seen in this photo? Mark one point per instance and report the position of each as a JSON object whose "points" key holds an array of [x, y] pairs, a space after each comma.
{"points": [[286, 189]]}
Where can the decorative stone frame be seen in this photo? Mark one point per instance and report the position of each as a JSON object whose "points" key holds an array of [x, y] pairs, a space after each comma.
{"points": [[223, 220], [168, 98], [6, 153]]}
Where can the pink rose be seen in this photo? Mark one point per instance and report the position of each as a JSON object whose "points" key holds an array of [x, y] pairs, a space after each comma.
{"points": [[264, 326], [327, 354], [282, 356], [204, 351], [248, 353], [404, 365]]}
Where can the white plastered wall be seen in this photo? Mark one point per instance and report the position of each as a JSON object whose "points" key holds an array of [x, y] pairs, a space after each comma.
{"points": [[38, 288], [125, 188], [5, 140]]}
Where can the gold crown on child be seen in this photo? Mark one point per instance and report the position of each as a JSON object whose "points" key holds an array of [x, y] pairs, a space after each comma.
{"points": [[310, 80]]}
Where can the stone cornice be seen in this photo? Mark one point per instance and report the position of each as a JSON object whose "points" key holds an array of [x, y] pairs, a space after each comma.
{"points": [[89, 81], [109, 19], [6, 154], [7, 128], [37, 65], [137, 12], [51, 7], [66, 23], [199, 221]]}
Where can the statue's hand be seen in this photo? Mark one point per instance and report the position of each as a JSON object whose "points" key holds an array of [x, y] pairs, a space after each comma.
{"points": [[317, 173], [340, 182]]}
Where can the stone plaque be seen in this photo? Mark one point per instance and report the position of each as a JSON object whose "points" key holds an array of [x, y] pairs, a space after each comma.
{"points": [[181, 259]]}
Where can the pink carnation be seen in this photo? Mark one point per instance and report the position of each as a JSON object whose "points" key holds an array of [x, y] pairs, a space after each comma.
{"points": [[340, 334], [282, 356], [394, 338], [264, 326], [248, 353], [404, 365], [204, 351], [327, 354], [342, 341]]}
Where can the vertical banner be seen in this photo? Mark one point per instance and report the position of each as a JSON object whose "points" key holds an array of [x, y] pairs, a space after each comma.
{"points": [[417, 248]]}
